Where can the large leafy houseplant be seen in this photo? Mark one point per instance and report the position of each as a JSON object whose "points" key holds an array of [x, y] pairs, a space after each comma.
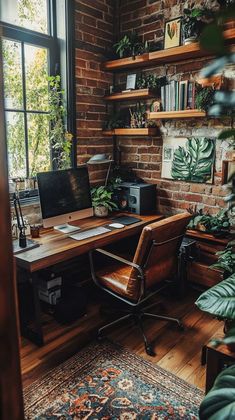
{"points": [[61, 141], [226, 260], [194, 162], [219, 403], [219, 300]]}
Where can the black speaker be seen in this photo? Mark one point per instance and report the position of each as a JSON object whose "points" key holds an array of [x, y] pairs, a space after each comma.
{"points": [[139, 198]]}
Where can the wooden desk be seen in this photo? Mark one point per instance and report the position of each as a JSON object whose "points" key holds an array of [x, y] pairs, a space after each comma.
{"points": [[56, 247]]}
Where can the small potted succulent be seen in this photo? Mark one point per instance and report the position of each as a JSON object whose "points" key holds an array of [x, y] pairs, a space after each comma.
{"points": [[102, 201]]}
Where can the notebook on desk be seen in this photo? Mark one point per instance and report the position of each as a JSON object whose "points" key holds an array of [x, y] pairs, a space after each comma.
{"points": [[126, 220]]}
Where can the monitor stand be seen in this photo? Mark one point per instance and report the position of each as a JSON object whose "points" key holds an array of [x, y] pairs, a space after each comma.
{"points": [[66, 228]]}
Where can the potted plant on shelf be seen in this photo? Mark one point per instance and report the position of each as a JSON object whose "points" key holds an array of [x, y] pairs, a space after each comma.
{"points": [[193, 23], [130, 45], [102, 201]]}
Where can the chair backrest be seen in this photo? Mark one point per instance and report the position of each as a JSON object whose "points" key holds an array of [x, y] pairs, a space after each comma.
{"points": [[158, 248]]}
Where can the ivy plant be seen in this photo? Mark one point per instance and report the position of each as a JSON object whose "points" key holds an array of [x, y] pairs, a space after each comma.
{"points": [[61, 140]]}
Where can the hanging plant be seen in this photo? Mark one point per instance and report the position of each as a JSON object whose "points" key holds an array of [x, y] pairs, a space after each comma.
{"points": [[60, 139]]}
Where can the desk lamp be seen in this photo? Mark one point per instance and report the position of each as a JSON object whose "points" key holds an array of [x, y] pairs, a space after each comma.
{"points": [[24, 243], [101, 159], [20, 222]]}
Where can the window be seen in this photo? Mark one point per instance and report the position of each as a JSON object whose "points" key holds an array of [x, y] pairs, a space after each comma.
{"points": [[30, 55]]}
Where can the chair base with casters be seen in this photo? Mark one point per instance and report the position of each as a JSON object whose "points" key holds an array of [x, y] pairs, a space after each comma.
{"points": [[135, 282], [137, 314]]}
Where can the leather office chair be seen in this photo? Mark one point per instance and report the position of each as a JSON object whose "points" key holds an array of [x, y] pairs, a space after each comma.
{"points": [[155, 263]]}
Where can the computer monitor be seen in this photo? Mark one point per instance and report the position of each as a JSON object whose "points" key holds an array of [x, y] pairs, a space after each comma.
{"points": [[64, 195]]}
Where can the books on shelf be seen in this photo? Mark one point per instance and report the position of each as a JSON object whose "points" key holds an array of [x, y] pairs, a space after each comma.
{"points": [[178, 96]]}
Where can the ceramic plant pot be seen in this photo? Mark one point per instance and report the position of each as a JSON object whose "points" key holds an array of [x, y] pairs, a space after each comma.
{"points": [[101, 211], [190, 40]]}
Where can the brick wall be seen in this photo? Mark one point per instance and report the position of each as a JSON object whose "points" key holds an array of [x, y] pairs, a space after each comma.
{"points": [[147, 18], [93, 38]]}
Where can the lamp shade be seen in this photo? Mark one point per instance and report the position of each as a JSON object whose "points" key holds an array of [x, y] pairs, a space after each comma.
{"points": [[99, 159]]}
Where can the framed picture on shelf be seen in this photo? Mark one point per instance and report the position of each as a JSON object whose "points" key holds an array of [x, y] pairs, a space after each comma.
{"points": [[131, 81], [172, 33], [228, 168]]}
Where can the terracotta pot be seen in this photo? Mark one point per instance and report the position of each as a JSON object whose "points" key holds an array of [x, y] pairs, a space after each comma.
{"points": [[101, 211]]}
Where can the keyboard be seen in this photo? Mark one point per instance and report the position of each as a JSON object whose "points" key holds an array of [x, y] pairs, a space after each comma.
{"points": [[89, 233]]}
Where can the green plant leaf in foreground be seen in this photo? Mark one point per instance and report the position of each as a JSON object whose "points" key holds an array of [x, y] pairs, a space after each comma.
{"points": [[219, 403], [219, 300], [212, 39]]}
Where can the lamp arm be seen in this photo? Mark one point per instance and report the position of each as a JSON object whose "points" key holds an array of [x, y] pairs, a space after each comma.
{"points": [[20, 222]]}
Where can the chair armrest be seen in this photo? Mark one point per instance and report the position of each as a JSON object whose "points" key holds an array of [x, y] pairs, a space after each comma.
{"points": [[118, 258], [122, 260]]}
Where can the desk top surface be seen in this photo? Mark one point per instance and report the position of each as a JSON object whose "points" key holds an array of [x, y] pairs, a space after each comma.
{"points": [[56, 246]]}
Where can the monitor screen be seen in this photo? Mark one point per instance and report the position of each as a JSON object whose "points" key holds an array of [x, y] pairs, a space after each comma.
{"points": [[64, 192]]}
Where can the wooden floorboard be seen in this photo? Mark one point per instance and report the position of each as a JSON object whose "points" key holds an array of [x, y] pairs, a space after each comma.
{"points": [[176, 351]]}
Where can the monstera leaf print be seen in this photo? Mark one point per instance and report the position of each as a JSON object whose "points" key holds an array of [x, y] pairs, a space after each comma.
{"points": [[195, 161]]}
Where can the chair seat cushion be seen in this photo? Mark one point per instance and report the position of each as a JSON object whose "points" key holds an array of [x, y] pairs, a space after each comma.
{"points": [[116, 277]]}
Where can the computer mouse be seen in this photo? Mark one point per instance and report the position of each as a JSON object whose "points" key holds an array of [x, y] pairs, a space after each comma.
{"points": [[117, 225]]}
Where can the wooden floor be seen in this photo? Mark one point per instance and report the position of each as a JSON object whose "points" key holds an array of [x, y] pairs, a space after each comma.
{"points": [[176, 351]]}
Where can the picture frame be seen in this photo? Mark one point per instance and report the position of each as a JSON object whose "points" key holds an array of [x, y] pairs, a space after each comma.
{"points": [[176, 168], [228, 168], [131, 81], [172, 33]]}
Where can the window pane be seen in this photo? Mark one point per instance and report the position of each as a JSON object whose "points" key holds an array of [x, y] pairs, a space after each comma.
{"points": [[30, 14], [38, 143], [36, 69], [12, 70], [16, 144]]}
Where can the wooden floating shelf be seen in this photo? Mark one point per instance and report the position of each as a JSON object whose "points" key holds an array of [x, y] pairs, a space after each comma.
{"points": [[131, 132], [164, 115], [175, 54], [134, 94]]}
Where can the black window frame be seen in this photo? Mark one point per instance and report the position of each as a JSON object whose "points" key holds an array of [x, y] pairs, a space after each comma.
{"points": [[61, 56]]}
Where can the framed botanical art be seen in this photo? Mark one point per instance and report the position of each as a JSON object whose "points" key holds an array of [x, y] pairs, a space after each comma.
{"points": [[188, 159], [172, 33]]}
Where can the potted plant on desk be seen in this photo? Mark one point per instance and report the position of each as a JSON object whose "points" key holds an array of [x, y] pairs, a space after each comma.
{"points": [[102, 201]]}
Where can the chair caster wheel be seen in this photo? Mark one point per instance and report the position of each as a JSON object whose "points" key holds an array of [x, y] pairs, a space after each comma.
{"points": [[181, 327], [150, 351]]}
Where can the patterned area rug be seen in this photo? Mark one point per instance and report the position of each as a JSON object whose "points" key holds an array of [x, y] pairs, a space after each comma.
{"points": [[105, 381]]}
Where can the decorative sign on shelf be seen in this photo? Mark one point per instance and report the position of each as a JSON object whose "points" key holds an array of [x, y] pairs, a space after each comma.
{"points": [[188, 159], [130, 82]]}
